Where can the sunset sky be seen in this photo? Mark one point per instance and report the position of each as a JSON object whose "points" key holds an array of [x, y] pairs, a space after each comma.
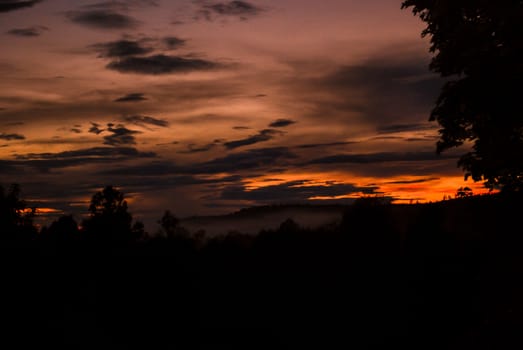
{"points": [[205, 107]]}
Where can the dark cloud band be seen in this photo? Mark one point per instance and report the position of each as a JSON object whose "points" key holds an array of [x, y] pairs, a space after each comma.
{"points": [[94, 152], [142, 120], [11, 5], [160, 64], [240, 9], [262, 136], [134, 97], [294, 191], [101, 19], [121, 48], [11, 137], [28, 32], [172, 42], [120, 136], [381, 157], [281, 123], [394, 128]]}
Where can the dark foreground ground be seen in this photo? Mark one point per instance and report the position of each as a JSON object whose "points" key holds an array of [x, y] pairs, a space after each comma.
{"points": [[447, 275]]}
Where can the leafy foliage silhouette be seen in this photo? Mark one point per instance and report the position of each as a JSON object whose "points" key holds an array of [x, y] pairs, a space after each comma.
{"points": [[478, 48], [109, 219], [170, 226], [15, 217], [463, 192]]}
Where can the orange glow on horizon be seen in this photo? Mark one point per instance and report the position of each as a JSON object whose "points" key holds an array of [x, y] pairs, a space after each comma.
{"points": [[405, 189]]}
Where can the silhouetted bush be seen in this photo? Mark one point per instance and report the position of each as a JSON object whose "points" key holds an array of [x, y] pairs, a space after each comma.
{"points": [[15, 217]]}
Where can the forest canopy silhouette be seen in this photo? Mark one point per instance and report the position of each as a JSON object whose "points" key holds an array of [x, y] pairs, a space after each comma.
{"points": [[478, 49], [435, 275]]}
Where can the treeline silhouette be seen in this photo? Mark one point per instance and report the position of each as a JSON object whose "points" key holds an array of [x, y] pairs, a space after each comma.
{"points": [[445, 275]]}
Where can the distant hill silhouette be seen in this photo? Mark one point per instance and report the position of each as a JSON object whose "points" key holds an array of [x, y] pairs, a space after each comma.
{"points": [[254, 219]]}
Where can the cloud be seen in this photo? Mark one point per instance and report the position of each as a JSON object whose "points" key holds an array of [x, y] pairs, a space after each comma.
{"points": [[160, 64], [103, 19], [383, 90], [329, 144], [109, 15], [381, 157], [154, 168], [76, 130], [241, 9], [294, 191], [408, 182], [234, 8], [241, 127], [134, 97], [184, 93], [120, 136], [14, 123], [262, 136], [142, 120], [49, 161], [255, 159], [129, 47], [173, 42], [386, 164], [252, 160], [121, 48], [207, 117], [124, 5], [388, 138], [95, 129], [394, 128], [95, 152], [171, 181], [281, 123], [191, 148], [11, 5], [28, 32], [11, 137], [419, 139]]}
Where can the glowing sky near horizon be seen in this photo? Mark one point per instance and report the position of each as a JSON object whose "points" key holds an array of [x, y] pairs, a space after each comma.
{"points": [[204, 107]]}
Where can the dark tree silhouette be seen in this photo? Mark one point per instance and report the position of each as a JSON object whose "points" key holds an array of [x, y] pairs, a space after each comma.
{"points": [[109, 219], [478, 47], [15, 216], [109, 202], [463, 192], [63, 228], [169, 224], [60, 236]]}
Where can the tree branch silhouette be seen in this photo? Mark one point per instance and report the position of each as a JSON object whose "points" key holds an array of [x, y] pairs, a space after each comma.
{"points": [[478, 47]]}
